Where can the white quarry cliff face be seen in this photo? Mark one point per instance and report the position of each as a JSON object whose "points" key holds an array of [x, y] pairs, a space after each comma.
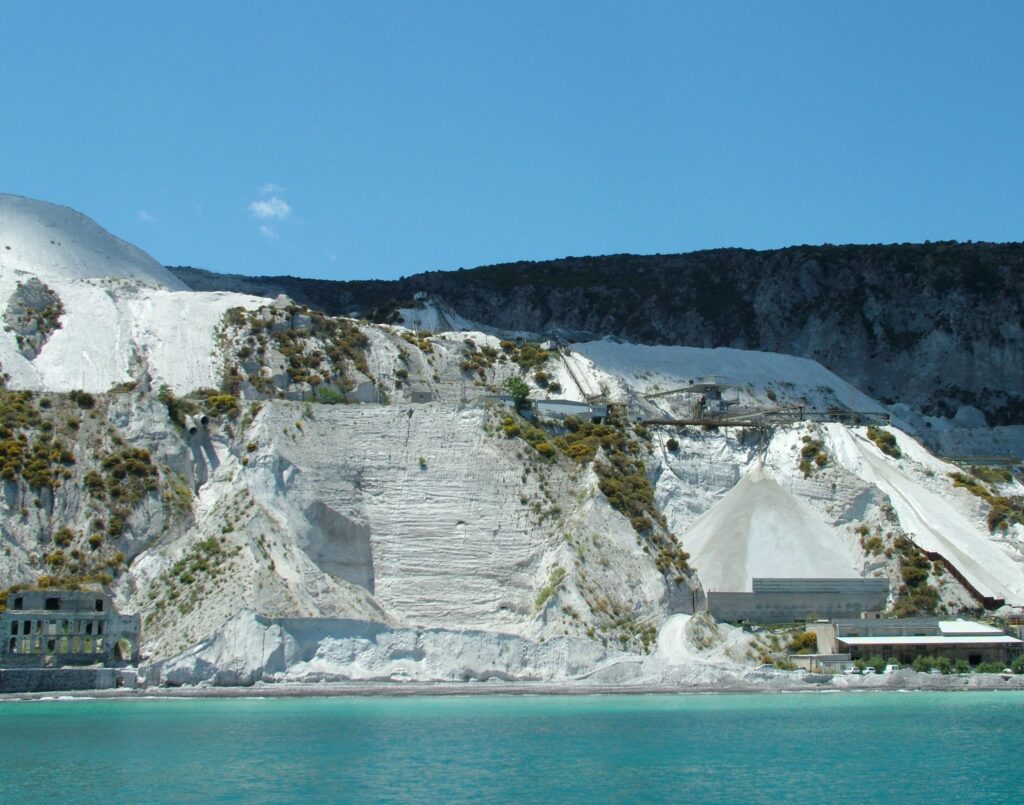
{"points": [[124, 314], [251, 648], [113, 335], [438, 545], [424, 510]]}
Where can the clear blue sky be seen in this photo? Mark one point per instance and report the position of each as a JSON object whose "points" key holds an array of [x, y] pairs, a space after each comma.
{"points": [[346, 140]]}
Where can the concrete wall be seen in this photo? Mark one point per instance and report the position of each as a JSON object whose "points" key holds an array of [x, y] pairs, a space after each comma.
{"points": [[43, 680], [838, 586], [822, 663], [789, 607]]}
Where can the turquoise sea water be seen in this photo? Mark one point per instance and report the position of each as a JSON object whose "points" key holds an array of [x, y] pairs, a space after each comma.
{"points": [[877, 747]]}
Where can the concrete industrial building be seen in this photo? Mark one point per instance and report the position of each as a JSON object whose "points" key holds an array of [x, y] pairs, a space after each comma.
{"points": [[791, 600], [560, 409], [902, 640], [557, 410]]}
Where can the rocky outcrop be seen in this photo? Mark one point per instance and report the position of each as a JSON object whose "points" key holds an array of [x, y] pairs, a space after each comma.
{"points": [[251, 648], [934, 325], [33, 312]]}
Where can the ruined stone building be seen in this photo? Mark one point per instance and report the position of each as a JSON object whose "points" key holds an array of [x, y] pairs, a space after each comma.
{"points": [[54, 628]]}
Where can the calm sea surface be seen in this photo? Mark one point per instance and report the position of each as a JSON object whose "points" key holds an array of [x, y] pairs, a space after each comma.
{"points": [[876, 747]]}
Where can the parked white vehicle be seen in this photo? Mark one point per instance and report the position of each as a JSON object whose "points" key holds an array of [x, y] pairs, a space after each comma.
{"points": [[891, 668]]}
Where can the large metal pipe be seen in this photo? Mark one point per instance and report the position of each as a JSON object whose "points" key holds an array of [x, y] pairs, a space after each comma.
{"points": [[191, 425]]}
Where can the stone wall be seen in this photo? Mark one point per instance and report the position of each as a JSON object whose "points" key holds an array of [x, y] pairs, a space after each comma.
{"points": [[42, 680]]}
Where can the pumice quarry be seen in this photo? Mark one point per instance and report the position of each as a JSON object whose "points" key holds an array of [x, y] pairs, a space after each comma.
{"points": [[213, 485]]}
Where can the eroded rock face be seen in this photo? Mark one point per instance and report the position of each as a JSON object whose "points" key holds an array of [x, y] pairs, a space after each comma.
{"points": [[934, 325], [415, 533], [251, 648], [33, 312]]}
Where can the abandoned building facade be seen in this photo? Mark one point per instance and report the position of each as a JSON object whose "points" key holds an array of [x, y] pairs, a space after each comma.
{"points": [[54, 628]]}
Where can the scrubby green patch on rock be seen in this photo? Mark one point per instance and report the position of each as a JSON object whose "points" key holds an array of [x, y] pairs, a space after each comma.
{"points": [[885, 441], [916, 595], [1004, 510], [177, 590], [307, 346], [813, 455], [35, 443], [33, 313], [622, 478]]}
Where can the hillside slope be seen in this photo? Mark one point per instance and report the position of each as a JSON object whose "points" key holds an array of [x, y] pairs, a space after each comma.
{"points": [[84, 310], [53, 242], [283, 494], [936, 325]]}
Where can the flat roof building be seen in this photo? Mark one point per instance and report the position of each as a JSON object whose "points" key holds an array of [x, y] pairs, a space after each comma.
{"points": [[560, 409], [905, 639]]}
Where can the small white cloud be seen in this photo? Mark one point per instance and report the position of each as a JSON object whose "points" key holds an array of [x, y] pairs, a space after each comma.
{"points": [[270, 188], [274, 208], [268, 231], [144, 216]]}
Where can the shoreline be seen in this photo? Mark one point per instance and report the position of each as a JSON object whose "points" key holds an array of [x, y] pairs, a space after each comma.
{"points": [[948, 684]]}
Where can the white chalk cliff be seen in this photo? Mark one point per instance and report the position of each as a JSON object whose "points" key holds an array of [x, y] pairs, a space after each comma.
{"points": [[424, 537]]}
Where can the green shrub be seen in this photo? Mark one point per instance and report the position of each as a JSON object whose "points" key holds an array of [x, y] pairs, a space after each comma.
{"points": [[1004, 511], [873, 545], [554, 581], [177, 408], [55, 558], [328, 395], [917, 597], [992, 475], [223, 405], [82, 399], [531, 356], [923, 664], [885, 441], [812, 454], [803, 643], [519, 391]]}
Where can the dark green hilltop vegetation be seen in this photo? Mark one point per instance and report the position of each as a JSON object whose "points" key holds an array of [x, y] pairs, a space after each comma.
{"points": [[936, 325]]}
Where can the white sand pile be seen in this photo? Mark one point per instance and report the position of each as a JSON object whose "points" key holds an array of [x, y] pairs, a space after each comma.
{"points": [[758, 529]]}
